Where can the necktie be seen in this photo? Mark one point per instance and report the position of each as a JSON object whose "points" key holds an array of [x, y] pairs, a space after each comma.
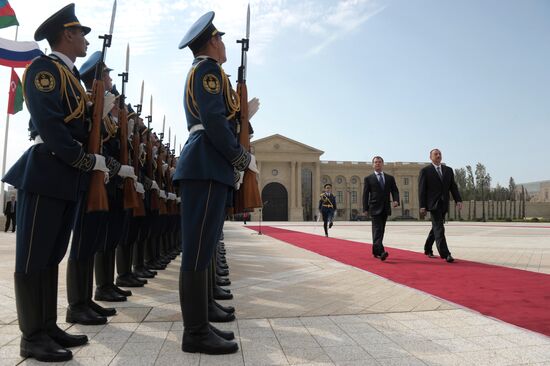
{"points": [[438, 168], [381, 180], [76, 73]]}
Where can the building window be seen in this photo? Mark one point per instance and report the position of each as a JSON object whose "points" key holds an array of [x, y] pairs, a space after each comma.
{"points": [[339, 197], [406, 181], [325, 180], [353, 196], [339, 180], [353, 180], [546, 195], [406, 197], [274, 172]]}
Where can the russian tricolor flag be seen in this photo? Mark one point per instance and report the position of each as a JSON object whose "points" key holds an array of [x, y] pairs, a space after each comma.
{"points": [[18, 54]]}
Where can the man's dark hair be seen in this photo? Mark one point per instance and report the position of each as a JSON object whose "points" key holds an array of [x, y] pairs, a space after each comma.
{"points": [[377, 157]]}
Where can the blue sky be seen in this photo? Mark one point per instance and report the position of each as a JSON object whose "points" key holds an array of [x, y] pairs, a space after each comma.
{"points": [[352, 78]]}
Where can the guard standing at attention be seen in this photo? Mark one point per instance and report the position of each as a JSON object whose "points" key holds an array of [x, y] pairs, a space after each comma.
{"points": [[49, 177], [205, 174]]}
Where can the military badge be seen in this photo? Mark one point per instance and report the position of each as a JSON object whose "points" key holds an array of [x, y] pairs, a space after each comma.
{"points": [[211, 84], [44, 81]]}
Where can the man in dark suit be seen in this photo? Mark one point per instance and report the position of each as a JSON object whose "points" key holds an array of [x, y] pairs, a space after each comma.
{"points": [[434, 183], [9, 212], [376, 199]]}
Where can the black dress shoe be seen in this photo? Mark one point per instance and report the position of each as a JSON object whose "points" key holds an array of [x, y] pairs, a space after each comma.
{"points": [[101, 310], [65, 339], [222, 272], [449, 259], [43, 348], [107, 293], [430, 255], [383, 256], [225, 334]]}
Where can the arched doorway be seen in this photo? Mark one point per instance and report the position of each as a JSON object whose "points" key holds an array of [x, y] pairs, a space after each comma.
{"points": [[275, 199]]}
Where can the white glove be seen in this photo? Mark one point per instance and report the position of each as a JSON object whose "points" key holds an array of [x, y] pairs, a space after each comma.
{"points": [[172, 171], [127, 171], [139, 187], [252, 165], [154, 185], [108, 103], [178, 200], [164, 167], [172, 196], [155, 149], [162, 194], [240, 181], [100, 163], [130, 128]]}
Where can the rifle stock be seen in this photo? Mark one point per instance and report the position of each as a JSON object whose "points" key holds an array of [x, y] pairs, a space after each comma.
{"points": [[162, 201], [130, 196], [154, 203], [140, 209], [248, 196], [97, 194]]}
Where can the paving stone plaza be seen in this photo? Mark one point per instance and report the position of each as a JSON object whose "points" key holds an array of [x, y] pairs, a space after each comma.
{"points": [[295, 307]]}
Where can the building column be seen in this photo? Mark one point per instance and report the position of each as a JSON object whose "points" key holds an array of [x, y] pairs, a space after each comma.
{"points": [[292, 184], [316, 187], [299, 184]]}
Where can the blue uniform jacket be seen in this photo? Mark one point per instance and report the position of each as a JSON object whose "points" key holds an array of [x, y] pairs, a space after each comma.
{"points": [[55, 168], [213, 153]]}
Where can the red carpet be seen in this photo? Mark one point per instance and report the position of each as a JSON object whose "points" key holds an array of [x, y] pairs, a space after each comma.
{"points": [[514, 296]]}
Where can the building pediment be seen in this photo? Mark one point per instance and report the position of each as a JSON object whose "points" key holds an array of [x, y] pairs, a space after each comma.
{"points": [[284, 147]]}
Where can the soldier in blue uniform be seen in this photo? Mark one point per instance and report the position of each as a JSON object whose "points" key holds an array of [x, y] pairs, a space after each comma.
{"points": [[207, 170], [49, 177], [327, 207]]}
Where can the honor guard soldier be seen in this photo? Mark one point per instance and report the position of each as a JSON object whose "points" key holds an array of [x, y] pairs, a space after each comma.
{"points": [[205, 173], [327, 207], [48, 177]]}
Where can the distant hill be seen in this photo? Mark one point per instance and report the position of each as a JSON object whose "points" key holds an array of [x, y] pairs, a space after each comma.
{"points": [[533, 187]]}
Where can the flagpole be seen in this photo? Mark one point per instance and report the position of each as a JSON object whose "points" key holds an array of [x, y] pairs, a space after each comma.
{"points": [[2, 197]]}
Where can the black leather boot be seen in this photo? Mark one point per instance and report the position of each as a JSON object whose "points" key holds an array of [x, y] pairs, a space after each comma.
{"points": [[221, 294], [215, 314], [197, 334], [227, 309], [79, 311], [225, 334], [93, 305], [49, 297], [35, 342], [104, 290], [223, 281]]}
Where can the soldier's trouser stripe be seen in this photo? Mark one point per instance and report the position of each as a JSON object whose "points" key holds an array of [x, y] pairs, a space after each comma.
{"points": [[202, 225], [32, 233]]}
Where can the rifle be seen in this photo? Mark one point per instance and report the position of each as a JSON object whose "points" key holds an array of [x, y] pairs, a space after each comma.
{"points": [[140, 210], [159, 173], [154, 204], [129, 191], [248, 196], [97, 194]]}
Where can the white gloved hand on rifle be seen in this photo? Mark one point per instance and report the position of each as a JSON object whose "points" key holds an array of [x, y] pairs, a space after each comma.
{"points": [[139, 187], [252, 165], [127, 171], [154, 185], [101, 166], [108, 103], [172, 196], [162, 194]]}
